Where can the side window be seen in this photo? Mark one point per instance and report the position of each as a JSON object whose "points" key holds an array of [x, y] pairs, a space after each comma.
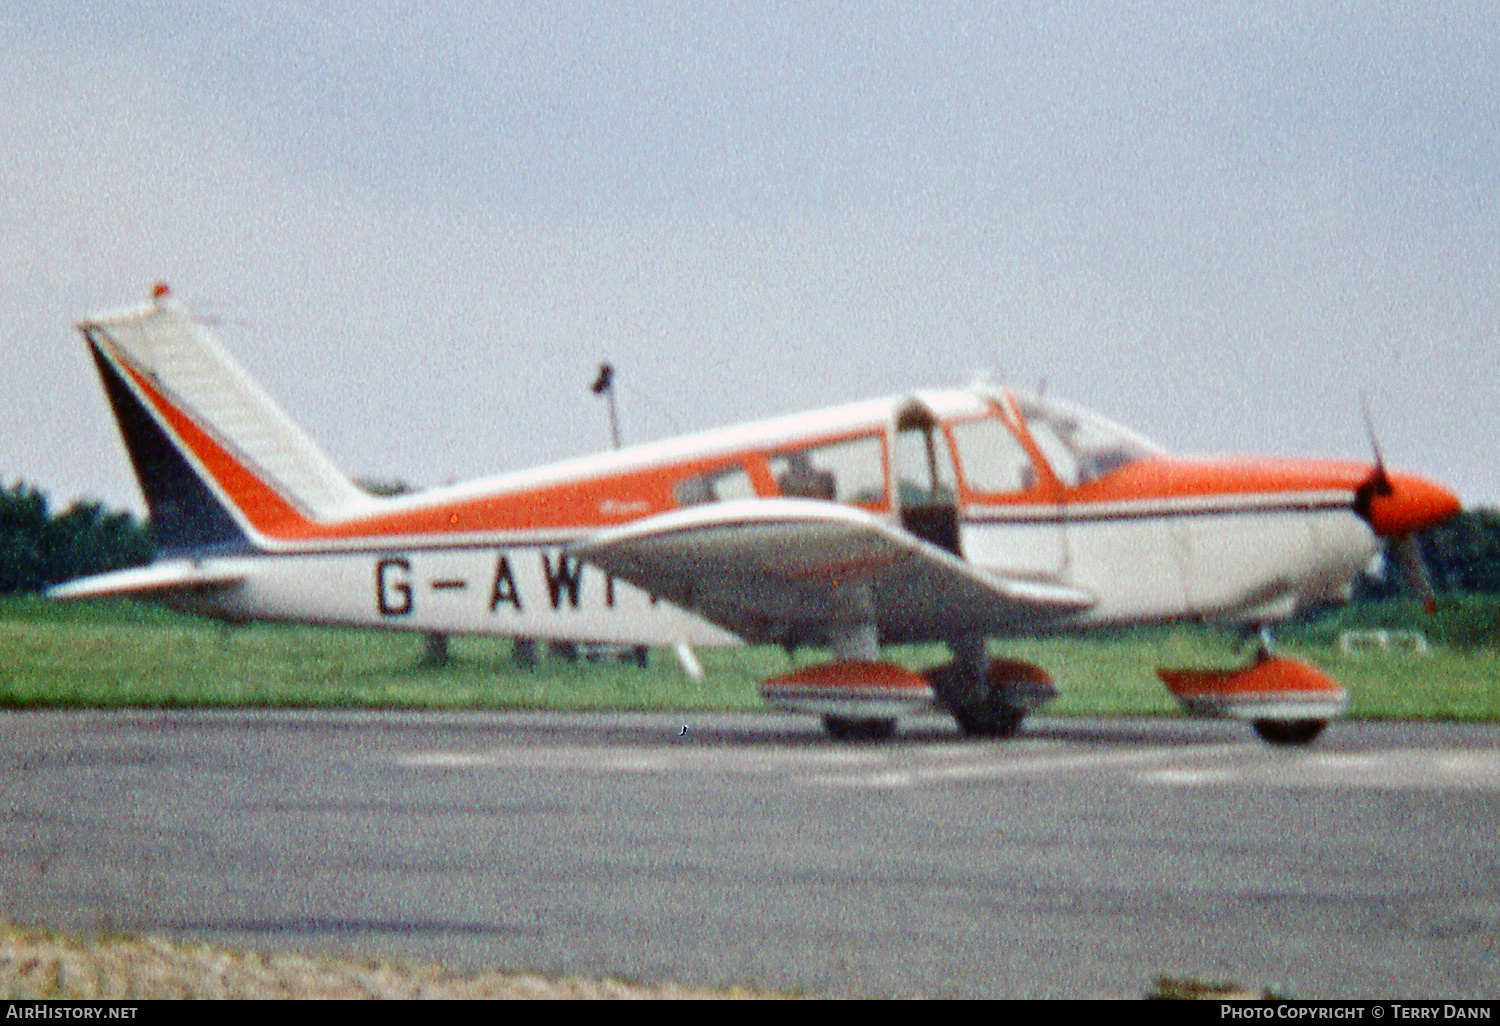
{"points": [[715, 486], [991, 458], [851, 471]]}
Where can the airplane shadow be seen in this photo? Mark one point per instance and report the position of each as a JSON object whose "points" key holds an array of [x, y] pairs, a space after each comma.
{"points": [[723, 732]]}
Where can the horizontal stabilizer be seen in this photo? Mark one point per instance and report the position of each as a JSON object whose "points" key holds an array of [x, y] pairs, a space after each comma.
{"points": [[156, 580]]}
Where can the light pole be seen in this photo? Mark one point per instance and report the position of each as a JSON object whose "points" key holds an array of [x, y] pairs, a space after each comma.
{"points": [[604, 384]]}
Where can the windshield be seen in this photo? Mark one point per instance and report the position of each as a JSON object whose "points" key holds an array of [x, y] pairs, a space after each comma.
{"points": [[1079, 446]]}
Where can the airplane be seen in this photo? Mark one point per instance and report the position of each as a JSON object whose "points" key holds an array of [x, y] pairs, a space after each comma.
{"points": [[956, 516]]}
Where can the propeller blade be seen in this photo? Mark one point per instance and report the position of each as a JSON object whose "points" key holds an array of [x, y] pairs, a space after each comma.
{"points": [[1364, 408], [1407, 554], [1378, 484]]}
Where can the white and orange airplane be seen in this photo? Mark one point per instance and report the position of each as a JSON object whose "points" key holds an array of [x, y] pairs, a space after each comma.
{"points": [[956, 516]]}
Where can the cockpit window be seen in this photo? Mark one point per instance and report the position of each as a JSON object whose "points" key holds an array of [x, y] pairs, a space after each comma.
{"points": [[993, 461], [850, 471], [1081, 447]]}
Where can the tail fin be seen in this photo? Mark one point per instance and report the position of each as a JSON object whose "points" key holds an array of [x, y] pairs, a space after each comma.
{"points": [[222, 468]]}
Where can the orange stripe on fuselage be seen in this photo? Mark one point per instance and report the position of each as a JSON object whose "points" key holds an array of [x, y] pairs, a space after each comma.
{"points": [[1182, 478], [572, 505], [1169, 482]]}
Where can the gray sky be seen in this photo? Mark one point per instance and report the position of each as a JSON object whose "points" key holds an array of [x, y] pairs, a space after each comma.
{"points": [[423, 226]]}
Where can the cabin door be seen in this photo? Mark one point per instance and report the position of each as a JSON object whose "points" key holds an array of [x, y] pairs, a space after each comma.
{"points": [[926, 487]]}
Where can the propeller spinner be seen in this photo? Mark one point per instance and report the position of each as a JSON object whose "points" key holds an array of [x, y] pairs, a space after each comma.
{"points": [[1397, 506]]}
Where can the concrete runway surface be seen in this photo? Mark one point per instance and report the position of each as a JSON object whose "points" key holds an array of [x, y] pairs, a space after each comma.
{"points": [[1084, 859]]}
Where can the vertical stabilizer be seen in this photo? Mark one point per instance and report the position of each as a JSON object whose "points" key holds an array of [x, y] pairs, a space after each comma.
{"points": [[213, 452]]}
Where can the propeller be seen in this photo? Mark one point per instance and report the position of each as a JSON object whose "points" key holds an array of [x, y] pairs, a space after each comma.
{"points": [[1398, 506]]}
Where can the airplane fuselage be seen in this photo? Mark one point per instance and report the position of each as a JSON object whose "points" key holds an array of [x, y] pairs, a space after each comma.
{"points": [[1156, 539]]}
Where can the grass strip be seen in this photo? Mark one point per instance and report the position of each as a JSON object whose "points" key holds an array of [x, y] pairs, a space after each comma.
{"points": [[123, 654]]}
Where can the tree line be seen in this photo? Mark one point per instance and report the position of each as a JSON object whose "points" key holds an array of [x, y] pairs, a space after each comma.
{"points": [[1463, 555], [40, 548]]}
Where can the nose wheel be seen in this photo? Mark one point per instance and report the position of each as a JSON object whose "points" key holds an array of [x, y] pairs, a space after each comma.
{"points": [[1287, 701]]}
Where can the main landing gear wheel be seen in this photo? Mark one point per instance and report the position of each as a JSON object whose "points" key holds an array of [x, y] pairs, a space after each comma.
{"points": [[990, 718], [989, 697], [842, 728], [1289, 732]]}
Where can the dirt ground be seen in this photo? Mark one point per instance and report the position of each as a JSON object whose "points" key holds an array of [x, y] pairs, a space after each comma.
{"points": [[35, 964]]}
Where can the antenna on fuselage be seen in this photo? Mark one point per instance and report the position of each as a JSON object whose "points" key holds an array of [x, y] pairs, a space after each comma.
{"points": [[604, 384]]}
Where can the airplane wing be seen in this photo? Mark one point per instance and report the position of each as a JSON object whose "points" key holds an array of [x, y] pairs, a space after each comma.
{"points": [[155, 581], [787, 569]]}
